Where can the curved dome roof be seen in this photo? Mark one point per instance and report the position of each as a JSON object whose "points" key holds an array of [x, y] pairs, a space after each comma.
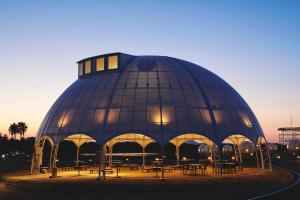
{"points": [[158, 96]]}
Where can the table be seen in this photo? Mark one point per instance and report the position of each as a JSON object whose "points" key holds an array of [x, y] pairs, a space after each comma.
{"points": [[117, 163]]}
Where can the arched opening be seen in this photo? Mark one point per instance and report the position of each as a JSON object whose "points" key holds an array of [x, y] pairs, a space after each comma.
{"points": [[78, 140], [88, 152], [41, 160], [128, 152], [264, 154], [248, 153], [66, 155], [46, 155], [187, 143], [127, 140]]}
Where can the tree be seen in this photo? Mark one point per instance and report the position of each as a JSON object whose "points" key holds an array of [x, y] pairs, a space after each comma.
{"points": [[13, 130], [22, 128]]}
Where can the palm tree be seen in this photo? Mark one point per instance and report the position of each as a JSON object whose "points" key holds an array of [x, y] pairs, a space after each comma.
{"points": [[22, 128], [13, 130]]}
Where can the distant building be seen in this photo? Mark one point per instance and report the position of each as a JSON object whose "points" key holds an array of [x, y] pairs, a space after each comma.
{"points": [[289, 136]]}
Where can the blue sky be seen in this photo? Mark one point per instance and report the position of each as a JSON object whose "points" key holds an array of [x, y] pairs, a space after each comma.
{"points": [[253, 45]]}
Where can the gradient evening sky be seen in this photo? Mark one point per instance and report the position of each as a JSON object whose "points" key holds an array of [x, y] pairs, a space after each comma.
{"points": [[253, 45]]}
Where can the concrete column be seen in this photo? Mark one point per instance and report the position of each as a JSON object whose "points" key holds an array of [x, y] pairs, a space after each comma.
{"points": [[77, 155], [100, 167], [220, 162], [240, 154], [54, 158], [143, 155], [211, 152], [162, 162], [110, 155], [235, 151], [50, 160], [177, 155], [103, 160], [257, 160], [262, 158]]}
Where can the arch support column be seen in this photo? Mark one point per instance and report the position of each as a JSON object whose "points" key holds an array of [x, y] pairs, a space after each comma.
{"points": [[162, 162], [101, 167], [36, 159], [77, 155], [261, 157], [257, 159], [53, 161], [143, 147], [177, 155], [110, 155]]}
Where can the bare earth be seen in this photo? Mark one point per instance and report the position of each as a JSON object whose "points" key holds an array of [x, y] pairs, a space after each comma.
{"points": [[19, 185]]}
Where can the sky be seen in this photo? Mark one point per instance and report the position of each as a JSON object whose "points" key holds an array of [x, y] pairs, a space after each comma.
{"points": [[253, 45]]}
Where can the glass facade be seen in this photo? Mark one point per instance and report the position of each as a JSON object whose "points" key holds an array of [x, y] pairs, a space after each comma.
{"points": [[113, 62], [87, 67], [100, 64], [160, 97], [80, 69]]}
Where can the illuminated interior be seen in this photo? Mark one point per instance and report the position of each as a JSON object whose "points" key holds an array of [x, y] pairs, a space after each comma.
{"points": [[87, 67], [100, 64], [113, 62], [80, 69]]}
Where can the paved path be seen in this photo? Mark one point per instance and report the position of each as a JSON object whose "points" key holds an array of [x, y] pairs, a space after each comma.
{"points": [[290, 192]]}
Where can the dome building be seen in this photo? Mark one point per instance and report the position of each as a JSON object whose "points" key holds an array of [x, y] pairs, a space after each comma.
{"points": [[146, 99]]}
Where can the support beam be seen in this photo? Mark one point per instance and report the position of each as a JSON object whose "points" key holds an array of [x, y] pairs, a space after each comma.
{"points": [[268, 152], [54, 158], [110, 150], [100, 161], [177, 155], [143, 155], [162, 162], [240, 154], [257, 160], [221, 161], [211, 152], [50, 160], [77, 155], [262, 157], [103, 160]]}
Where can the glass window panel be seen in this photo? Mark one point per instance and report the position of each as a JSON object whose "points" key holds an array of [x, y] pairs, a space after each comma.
{"points": [[182, 119], [139, 120], [87, 67], [218, 116], [152, 82], [126, 119], [195, 118], [154, 115], [99, 64], [116, 101], [128, 101], [87, 119], [113, 115], [152, 75], [99, 116], [80, 69], [113, 62], [205, 116]]}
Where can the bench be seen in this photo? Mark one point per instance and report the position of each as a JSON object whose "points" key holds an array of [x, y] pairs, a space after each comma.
{"points": [[92, 170], [168, 169], [96, 170], [67, 168], [146, 169]]}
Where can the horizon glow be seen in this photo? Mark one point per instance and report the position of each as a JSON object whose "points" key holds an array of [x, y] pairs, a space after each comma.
{"points": [[253, 45]]}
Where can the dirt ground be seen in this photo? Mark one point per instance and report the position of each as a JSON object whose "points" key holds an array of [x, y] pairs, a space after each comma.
{"points": [[184, 188]]}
